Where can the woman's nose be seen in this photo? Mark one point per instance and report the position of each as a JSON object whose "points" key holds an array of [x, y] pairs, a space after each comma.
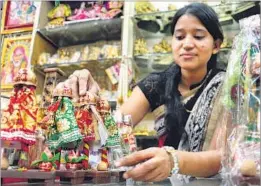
{"points": [[188, 43]]}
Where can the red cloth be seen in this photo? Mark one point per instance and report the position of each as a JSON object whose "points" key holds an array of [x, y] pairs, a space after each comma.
{"points": [[18, 122], [162, 140], [13, 180]]}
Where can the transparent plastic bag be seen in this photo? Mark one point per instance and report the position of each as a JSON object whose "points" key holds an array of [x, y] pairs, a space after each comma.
{"points": [[240, 134]]}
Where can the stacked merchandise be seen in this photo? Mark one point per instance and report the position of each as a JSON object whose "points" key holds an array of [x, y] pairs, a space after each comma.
{"points": [[72, 136], [241, 119], [82, 53], [62, 14]]}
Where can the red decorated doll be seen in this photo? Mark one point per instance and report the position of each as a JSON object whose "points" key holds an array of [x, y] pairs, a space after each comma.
{"points": [[18, 122]]}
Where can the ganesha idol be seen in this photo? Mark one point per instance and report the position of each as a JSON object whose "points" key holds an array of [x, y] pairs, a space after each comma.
{"points": [[18, 121]]}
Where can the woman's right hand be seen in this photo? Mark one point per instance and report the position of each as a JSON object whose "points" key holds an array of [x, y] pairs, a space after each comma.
{"points": [[82, 81], [152, 164]]}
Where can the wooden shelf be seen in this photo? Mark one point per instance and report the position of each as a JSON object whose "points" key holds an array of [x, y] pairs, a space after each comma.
{"points": [[48, 178]]}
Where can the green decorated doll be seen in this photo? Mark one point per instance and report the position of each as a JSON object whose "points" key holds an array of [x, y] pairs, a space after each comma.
{"points": [[63, 130]]}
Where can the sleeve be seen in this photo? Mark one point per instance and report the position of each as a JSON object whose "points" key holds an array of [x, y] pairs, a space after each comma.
{"points": [[150, 86]]}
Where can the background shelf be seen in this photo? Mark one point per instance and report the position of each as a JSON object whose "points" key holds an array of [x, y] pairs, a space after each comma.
{"points": [[158, 14], [94, 66], [77, 33]]}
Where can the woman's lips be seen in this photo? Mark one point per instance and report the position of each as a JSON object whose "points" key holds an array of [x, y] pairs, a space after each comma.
{"points": [[188, 56]]}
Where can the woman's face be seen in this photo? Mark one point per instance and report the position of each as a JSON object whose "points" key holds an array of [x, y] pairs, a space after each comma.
{"points": [[192, 44]]}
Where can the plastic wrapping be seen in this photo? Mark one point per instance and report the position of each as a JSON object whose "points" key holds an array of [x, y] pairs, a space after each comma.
{"points": [[240, 131], [127, 138]]}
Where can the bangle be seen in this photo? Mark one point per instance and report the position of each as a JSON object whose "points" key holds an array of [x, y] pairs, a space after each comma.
{"points": [[172, 152]]}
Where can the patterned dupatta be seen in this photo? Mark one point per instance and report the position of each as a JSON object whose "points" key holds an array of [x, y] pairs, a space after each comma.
{"points": [[195, 130]]}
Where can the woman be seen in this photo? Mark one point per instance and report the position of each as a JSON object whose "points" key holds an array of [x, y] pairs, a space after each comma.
{"points": [[185, 93]]}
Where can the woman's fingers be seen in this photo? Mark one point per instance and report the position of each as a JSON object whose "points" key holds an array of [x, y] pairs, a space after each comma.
{"points": [[153, 176], [155, 168], [160, 177], [149, 176], [84, 79], [136, 157], [140, 171], [94, 88], [73, 83], [83, 76]]}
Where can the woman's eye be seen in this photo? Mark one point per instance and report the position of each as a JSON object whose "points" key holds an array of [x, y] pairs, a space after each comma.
{"points": [[199, 37], [179, 37]]}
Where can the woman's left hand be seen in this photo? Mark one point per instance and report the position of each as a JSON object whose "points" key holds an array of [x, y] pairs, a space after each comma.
{"points": [[152, 164]]}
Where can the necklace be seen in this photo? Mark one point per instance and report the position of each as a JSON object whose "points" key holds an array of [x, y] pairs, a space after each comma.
{"points": [[189, 111]]}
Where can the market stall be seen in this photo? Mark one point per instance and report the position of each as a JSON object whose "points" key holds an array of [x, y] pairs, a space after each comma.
{"points": [[49, 136]]}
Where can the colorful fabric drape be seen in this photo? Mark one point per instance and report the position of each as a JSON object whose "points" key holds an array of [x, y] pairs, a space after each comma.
{"points": [[85, 123], [18, 122], [64, 129]]}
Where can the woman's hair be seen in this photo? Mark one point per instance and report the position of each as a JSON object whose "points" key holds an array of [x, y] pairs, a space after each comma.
{"points": [[208, 17], [175, 109]]}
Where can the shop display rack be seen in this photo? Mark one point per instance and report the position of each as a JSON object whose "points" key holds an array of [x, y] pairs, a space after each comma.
{"points": [[92, 65], [77, 33]]}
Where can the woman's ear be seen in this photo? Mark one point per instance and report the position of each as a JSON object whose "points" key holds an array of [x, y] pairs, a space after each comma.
{"points": [[217, 44]]}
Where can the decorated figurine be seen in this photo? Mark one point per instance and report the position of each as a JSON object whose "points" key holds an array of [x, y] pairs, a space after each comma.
{"points": [[85, 119], [74, 160], [55, 23], [113, 9], [48, 161], [62, 126], [103, 108], [58, 14], [60, 11], [114, 5], [18, 122], [114, 138], [95, 11], [79, 14]]}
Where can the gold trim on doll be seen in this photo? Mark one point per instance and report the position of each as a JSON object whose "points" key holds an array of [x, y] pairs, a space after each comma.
{"points": [[62, 90], [103, 106], [90, 98], [25, 77], [63, 125]]}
